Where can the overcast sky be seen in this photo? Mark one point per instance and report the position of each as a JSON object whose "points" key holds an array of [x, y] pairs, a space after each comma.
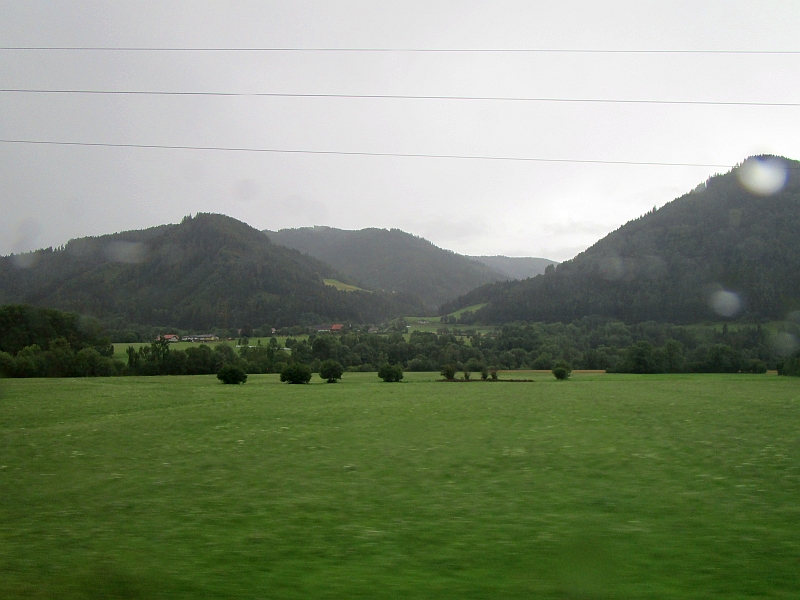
{"points": [[51, 194]]}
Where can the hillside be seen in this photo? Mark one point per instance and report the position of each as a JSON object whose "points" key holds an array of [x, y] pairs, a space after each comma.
{"points": [[210, 270], [718, 251], [515, 267], [391, 260]]}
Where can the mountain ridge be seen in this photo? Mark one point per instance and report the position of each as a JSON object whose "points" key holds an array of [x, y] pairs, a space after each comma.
{"points": [[209, 270], [391, 260], [727, 242]]}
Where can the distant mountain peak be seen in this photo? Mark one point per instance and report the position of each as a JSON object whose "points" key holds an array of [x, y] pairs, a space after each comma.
{"points": [[392, 260]]}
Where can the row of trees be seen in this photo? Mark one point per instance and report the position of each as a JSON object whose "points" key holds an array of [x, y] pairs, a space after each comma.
{"points": [[585, 344], [59, 359]]}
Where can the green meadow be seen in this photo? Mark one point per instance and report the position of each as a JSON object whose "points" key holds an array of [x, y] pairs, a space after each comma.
{"points": [[601, 487]]}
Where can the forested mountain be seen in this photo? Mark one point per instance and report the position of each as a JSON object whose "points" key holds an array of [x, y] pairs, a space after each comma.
{"points": [[208, 271], [718, 251], [392, 260], [515, 267]]}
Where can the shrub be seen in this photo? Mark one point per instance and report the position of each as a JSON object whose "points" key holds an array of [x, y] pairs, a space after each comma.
{"points": [[296, 373], [756, 366], [562, 370], [6, 364], [390, 373], [330, 370], [449, 372], [560, 373], [493, 373], [790, 366], [232, 374], [484, 373]]}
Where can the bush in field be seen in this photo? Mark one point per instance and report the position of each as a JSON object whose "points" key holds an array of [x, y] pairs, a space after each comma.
{"points": [[296, 373], [757, 366], [330, 370], [390, 373], [562, 370], [6, 364], [232, 374], [790, 366], [449, 372]]}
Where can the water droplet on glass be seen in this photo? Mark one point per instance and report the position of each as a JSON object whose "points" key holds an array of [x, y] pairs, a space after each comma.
{"points": [[763, 176], [724, 303]]}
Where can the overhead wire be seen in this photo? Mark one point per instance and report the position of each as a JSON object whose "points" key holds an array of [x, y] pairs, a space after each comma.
{"points": [[397, 97], [401, 50], [360, 153], [390, 96]]}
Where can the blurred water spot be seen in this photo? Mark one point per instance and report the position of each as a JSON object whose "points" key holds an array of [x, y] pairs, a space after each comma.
{"points": [[783, 343], [246, 190], [25, 261], [125, 252], [193, 171], [81, 247], [25, 235], [724, 303], [653, 267], [611, 268], [763, 175]]}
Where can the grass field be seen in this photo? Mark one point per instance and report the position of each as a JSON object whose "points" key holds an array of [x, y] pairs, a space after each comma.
{"points": [[344, 287], [461, 311], [606, 486]]}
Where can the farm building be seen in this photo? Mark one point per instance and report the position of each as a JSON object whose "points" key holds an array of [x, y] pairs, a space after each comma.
{"points": [[202, 337]]}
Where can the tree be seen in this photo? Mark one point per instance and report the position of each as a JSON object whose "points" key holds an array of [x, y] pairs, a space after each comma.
{"points": [[6, 364], [390, 373], [330, 370], [471, 366], [790, 366], [562, 370], [231, 374], [296, 373], [449, 372]]}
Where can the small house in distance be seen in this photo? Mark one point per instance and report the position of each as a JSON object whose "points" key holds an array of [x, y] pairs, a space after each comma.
{"points": [[170, 337], [328, 327]]}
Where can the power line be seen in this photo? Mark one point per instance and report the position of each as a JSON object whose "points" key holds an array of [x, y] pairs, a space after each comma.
{"points": [[346, 153], [400, 50], [399, 97]]}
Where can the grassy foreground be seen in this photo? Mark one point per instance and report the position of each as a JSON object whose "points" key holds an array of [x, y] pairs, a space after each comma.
{"points": [[602, 487]]}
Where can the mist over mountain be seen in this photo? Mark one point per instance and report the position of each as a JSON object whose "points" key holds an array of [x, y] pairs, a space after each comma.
{"points": [[392, 260], [728, 249], [516, 267], [207, 271]]}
